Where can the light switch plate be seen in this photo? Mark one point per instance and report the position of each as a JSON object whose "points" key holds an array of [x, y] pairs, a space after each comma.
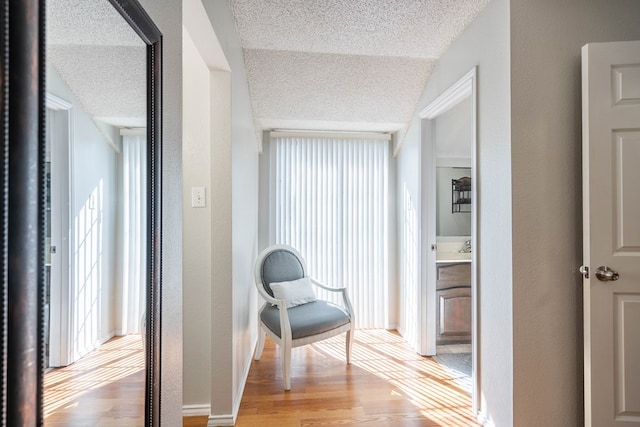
{"points": [[197, 197]]}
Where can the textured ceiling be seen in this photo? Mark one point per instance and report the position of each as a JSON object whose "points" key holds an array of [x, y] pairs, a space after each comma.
{"points": [[311, 64], [101, 59], [344, 64]]}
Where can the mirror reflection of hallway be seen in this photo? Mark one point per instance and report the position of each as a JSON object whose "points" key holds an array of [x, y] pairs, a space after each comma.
{"points": [[96, 249]]}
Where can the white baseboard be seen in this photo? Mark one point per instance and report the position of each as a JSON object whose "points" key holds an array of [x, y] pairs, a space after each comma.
{"points": [[243, 382], [80, 353], [225, 419], [204, 410], [221, 420], [484, 420], [197, 410]]}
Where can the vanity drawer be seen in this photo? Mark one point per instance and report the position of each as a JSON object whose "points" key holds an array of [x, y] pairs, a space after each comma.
{"points": [[453, 275]]}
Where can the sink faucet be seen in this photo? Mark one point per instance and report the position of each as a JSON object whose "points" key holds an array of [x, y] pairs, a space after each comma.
{"points": [[466, 248]]}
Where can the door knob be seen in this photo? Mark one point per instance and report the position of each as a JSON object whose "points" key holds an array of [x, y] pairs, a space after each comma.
{"points": [[605, 274]]}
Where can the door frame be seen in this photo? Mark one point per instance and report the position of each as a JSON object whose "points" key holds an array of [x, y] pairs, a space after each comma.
{"points": [[60, 306], [465, 87]]}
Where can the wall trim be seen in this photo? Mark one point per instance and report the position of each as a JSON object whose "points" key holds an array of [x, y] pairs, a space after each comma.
{"points": [[285, 133], [221, 420], [133, 131], [226, 419], [195, 410], [243, 382], [450, 97], [56, 103]]}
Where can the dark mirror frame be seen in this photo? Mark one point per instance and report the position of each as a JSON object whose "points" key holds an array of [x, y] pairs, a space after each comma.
{"points": [[22, 130]]}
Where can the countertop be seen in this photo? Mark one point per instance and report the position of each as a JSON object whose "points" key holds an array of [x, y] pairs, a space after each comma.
{"points": [[451, 257]]}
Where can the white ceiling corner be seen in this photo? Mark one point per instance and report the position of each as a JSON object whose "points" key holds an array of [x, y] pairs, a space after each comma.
{"points": [[347, 64], [100, 58]]}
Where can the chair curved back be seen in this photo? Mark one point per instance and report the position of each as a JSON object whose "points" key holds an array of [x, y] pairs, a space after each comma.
{"points": [[279, 263]]}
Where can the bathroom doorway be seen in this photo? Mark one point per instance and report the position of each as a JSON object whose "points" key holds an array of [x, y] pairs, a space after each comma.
{"points": [[449, 231]]}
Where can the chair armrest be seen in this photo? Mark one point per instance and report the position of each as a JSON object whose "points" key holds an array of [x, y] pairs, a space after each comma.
{"points": [[347, 305], [345, 295], [323, 286]]}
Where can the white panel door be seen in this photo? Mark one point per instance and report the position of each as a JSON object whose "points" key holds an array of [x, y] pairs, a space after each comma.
{"points": [[58, 145], [611, 203]]}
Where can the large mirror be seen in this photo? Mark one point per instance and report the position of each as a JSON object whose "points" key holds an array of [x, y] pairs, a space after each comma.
{"points": [[81, 168]]}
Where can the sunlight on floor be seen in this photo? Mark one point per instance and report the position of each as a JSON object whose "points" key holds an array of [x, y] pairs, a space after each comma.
{"points": [[64, 387], [421, 380]]}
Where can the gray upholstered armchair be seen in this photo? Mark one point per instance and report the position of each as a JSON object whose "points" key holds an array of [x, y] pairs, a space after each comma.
{"points": [[291, 314]]}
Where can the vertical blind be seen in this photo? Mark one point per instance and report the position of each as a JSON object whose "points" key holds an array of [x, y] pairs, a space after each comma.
{"points": [[329, 200], [134, 237]]}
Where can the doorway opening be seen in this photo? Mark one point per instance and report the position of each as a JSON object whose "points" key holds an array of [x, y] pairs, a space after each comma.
{"points": [[57, 198], [449, 236]]}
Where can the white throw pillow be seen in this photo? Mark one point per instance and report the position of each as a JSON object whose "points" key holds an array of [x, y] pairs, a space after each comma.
{"points": [[295, 292]]}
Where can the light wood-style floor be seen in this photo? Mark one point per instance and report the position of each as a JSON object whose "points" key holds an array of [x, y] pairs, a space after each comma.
{"points": [[387, 384], [104, 388]]}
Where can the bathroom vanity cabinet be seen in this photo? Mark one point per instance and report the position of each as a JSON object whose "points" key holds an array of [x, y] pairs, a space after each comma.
{"points": [[453, 307]]}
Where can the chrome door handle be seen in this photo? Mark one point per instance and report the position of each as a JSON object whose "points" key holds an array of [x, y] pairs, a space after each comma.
{"points": [[605, 274]]}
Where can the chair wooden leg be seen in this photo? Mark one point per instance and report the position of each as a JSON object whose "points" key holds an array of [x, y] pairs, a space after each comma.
{"points": [[349, 340], [260, 345], [285, 355]]}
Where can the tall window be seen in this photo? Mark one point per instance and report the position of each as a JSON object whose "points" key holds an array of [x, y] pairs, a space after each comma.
{"points": [[134, 223], [329, 200]]}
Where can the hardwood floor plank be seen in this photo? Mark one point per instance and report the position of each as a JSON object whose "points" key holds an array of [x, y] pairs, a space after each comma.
{"points": [[388, 384], [105, 388], [196, 421]]}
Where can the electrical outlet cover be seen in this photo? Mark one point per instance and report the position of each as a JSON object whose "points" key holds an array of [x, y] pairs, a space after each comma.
{"points": [[198, 197]]}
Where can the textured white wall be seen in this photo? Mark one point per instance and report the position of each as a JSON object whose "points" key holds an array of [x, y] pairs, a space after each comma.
{"points": [[226, 291], [222, 307], [408, 212], [245, 229], [484, 43], [167, 15], [207, 239], [94, 208], [546, 37], [196, 229], [244, 173], [453, 130]]}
